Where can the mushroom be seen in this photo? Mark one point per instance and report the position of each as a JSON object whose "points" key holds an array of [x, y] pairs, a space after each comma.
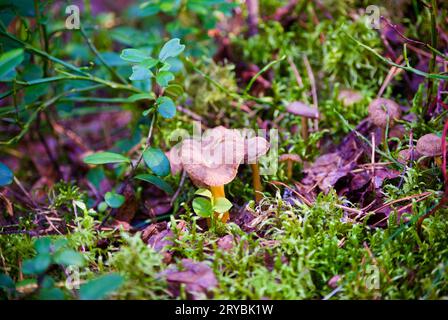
{"points": [[306, 112], [349, 97], [174, 158], [405, 155], [383, 113], [430, 145], [398, 131], [255, 147], [213, 161], [289, 159]]}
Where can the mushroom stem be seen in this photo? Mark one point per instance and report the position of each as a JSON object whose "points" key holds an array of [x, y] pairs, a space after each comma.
{"points": [[258, 188], [438, 161], [218, 192], [304, 128], [289, 169]]}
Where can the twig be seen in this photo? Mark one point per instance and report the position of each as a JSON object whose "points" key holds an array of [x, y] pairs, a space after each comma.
{"points": [[264, 69], [134, 168], [252, 17], [407, 68], [313, 88], [25, 192], [390, 75], [296, 72], [181, 183], [95, 51]]}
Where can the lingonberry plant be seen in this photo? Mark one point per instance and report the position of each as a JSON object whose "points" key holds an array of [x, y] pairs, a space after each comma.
{"points": [[145, 67]]}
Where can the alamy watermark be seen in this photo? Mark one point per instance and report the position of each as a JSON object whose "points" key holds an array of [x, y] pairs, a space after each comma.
{"points": [[373, 17], [73, 21]]}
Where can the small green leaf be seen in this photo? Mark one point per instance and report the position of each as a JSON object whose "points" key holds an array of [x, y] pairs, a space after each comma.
{"points": [[81, 205], [99, 288], [105, 157], [140, 73], [102, 206], [47, 282], [171, 49], [222, 205], [202, 207], [9, 61], [6, 175], [167, 108], [133, 55], [157, 161], [42, 245], [59, 244], [6, 282], [37, 265], [68, 258], [114, 200], [142, 96], [51, 294], [204, 192], [159, 183], [174, 90], [147, 112], [163, 78], [149, 63]]}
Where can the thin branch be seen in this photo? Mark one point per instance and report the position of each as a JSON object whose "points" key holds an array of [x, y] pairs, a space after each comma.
{"points": [[96, 52]]}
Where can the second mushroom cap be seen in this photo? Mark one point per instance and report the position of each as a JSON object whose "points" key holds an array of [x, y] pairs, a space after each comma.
{"points": [[430, 145], [381, 110]]}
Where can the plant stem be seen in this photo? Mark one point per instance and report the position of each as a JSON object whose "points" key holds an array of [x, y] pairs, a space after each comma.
{"points": [[407, 68], [95, 52], [252, 17], [432, 63]]}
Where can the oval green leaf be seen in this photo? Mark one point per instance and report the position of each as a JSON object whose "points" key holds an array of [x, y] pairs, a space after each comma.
{"points": [[167, 108], [68, 258], [163, 78], [159, 183], [157, 161], [133, 55], [105, 158], [171, 49], [6, 175], [222, 205], [204, 192], [114, 200], [101, 287], [202, 207], [140, 73], [9, 61]]}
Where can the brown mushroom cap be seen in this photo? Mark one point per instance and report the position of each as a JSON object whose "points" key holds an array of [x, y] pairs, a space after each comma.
{"points": [[302, 109], [398, 131], [173, 156], [254, 148], [349, 97], [404, 156], [214, 159], [381, 109], [430, 145], [289, 157]]}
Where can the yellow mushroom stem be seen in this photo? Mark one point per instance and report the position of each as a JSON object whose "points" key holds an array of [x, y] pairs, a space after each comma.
{"points": [[304, 128], [438, 160], [218, 192], [289, 164], [258, 188]]}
